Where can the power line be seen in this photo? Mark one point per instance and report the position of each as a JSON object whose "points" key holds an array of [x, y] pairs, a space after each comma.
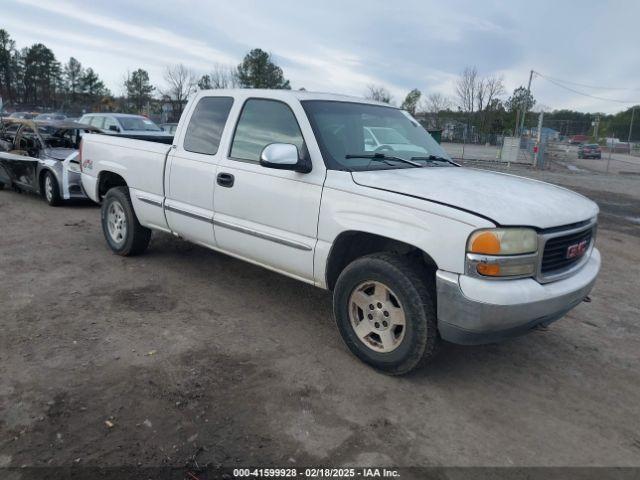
{"points": [[586, 94], [584, 85]]}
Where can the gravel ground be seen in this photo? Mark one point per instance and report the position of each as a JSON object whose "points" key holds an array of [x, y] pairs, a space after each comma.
{"points": [[185, 355]]}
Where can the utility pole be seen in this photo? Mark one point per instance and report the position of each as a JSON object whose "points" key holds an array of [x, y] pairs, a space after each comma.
{"points": [[524, 107], [596, 124], [538, 157], [633, 111]]}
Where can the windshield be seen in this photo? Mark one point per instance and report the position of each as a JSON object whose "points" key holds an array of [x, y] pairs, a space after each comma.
{"points": [[349, 129], [138, 123]]}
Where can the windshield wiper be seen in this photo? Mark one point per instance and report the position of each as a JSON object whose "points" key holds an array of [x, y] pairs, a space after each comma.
{"points": [[435, 158], [381, 157]]}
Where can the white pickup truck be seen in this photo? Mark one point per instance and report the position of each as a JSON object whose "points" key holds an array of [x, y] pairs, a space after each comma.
{"points": [[414, 248]]}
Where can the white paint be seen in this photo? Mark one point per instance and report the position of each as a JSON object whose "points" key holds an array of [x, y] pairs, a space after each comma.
{"points": [[314, 209]]}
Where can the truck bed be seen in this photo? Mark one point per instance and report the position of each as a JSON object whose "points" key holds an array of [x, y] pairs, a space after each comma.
{"points": [[140, 161]]}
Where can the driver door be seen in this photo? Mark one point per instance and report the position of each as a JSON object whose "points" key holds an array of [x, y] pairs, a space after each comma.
{"points": [[267, 215]]}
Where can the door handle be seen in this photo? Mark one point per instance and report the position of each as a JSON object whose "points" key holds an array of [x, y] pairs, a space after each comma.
{"points": [[225, 180]]}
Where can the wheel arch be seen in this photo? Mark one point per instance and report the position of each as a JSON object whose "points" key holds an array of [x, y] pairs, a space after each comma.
{"points": [[107, 180], [352, 244], [42, 173]]}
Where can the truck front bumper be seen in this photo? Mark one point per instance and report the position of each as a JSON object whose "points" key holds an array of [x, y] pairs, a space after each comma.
{"points": [[473, 311]]}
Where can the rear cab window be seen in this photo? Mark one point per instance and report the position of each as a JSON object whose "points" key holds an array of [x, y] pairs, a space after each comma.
{"points": [[207, 124]]}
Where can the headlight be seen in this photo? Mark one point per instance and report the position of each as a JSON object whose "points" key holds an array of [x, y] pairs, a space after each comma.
{"points": [[502, 252], [503, 241]]}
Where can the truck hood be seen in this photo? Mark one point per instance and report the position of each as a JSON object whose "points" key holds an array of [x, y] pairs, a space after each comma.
{"points": [[505, 199]]}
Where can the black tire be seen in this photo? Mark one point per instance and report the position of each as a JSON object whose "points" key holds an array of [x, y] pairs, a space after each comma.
{"points": [[135, 238], [52, 196], [415, 291], [1, 186]]}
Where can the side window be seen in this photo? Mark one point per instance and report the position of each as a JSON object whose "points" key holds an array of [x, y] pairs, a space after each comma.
{"points": [[206, 125], [263, 122], [369, 141], [109, 121], [97, 122]]}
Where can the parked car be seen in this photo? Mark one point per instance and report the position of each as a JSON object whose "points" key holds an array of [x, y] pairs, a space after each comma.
{"points": [[415, 248], [51, 116], [170, 128], [41, 157], [578, 139], [589, 150], [134, 126]]}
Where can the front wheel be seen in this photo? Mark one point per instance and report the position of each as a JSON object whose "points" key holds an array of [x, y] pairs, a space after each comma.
{"points": [[122, 230], [385, 310], [51, 190]]}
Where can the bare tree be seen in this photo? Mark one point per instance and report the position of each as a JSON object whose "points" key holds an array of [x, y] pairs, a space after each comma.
{"points": [[467, 89], [221, 76], [181, 83], [489, 89], [488, 92], [378, 93], [481, 93], [433, 105], [224, 76], [436, 102]]}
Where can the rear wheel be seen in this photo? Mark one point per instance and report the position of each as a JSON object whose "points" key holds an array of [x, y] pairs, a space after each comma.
{"points": [[122, 230], [385, 310], [51, 190]]}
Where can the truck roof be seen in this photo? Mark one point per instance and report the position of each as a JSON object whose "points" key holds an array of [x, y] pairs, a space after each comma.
{"points": [[298, 94]]}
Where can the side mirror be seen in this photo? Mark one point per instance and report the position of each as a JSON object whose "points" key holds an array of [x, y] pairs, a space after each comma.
{"points": [[114, 128], [284, 156]]}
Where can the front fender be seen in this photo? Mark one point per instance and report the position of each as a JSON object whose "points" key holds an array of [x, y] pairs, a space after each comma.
{"points": [[439, 231]]}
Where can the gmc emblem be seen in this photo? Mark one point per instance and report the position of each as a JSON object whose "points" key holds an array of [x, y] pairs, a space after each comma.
{"points": [[577, 250]]}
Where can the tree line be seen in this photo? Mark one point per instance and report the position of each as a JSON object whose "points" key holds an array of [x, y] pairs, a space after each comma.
{"points": [[481, 110], [32, 78], [478, 111]]}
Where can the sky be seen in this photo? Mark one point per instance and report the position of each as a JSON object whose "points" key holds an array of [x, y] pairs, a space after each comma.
{"points": [[343, 46]]}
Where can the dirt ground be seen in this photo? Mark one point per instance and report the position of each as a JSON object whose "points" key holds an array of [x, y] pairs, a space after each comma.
{"points": [[193, 356]]}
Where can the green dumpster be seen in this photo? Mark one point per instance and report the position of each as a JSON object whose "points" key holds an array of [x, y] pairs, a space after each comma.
{"points": [[436, 134]]}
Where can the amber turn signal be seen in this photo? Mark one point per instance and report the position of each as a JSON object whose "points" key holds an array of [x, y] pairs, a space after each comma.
{"points": [[488, 269]]}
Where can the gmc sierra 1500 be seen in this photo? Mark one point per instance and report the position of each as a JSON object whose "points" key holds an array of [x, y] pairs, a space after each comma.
{"points": [[414, 247]]}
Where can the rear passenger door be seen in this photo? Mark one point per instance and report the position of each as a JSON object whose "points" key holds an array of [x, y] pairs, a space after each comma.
{"points": [[262, 214], [191, 171]]}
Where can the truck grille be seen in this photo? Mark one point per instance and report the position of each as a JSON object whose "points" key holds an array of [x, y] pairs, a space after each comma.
{"points": [[554, 258]]}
